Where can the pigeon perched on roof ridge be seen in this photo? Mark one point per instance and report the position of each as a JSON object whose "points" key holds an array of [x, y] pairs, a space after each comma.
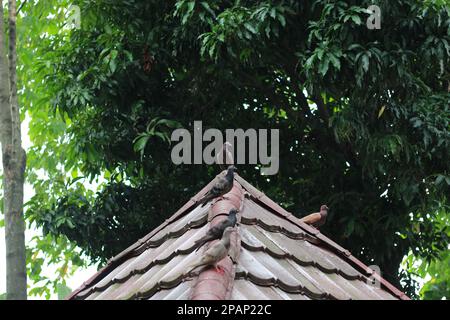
{"points": [[215, 253], [316, 219], [216, 231], [222, 186], [225, 156]]}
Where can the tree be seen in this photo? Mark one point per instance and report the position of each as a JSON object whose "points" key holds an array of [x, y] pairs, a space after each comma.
{"points": [[436, 270], [37, 23], [363, 116], [14, 160]]}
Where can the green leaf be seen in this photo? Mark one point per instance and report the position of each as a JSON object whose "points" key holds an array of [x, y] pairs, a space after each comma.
{"points": [[108, 29], [365, 63], [350, 228], [356, 19], [63, 291], [323, 67], [439, 179], [282, 20], [75, 180], [273, 13], [191, 6], [140, 143], [335, 61], [113, 65], [249, 27], [208, 8]]}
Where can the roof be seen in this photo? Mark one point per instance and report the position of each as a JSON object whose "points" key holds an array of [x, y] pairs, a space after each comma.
{"points": [[273, 255]]}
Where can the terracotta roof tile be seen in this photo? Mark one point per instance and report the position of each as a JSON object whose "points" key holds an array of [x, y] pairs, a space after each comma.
{"points": [[246, 290], [211, 285], [273, 255], [180, 292]]}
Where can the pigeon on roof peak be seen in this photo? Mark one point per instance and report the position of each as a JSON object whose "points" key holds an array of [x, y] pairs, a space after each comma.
{"points": [[216, 231], [222, 186], [225, 155], [215, 253]]}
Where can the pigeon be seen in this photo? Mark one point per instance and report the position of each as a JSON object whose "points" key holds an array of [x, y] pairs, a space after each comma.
{"points": [[316, 219], [216, 232], [215, 253], [222, 186], [225, 156]]}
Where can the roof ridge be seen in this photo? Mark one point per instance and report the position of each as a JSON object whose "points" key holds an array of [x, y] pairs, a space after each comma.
{"points": [[211, 285]]}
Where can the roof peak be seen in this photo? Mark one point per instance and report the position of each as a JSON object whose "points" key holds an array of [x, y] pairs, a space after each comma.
{"points": [[190, 217]]}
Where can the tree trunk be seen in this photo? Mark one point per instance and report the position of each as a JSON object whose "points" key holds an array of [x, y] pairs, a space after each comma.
{"points": [[14, 160]]}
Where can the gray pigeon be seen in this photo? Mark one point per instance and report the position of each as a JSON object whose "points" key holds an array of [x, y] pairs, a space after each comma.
{"points": [[222, 186], [215, 253], [216, 232]]}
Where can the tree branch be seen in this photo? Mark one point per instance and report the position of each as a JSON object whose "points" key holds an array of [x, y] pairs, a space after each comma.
{"points": [[21, 6], [321, 108]]}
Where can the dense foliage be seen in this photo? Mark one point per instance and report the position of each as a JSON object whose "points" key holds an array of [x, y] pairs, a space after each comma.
{"points": [[363, 116]]}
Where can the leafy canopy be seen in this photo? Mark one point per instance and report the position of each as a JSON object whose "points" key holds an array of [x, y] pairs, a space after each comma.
{"points": [[363, 116]]}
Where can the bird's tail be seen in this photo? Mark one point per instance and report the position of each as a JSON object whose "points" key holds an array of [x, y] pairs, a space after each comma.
{"points": [[198, 244], [194, 266], [190, 268], [205, 200]]}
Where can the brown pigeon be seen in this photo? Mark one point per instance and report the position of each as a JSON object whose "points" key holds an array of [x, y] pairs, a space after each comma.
{"points": [[225, 156], [215, 253], [221, 187], [216, 232], [316, 219]]}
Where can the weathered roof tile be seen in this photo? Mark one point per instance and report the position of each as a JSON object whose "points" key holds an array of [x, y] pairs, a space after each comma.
{"points": [[273, 256], [180, 292]]}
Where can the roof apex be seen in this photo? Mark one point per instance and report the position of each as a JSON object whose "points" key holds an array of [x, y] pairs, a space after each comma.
{"points": [[261, 199]]}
